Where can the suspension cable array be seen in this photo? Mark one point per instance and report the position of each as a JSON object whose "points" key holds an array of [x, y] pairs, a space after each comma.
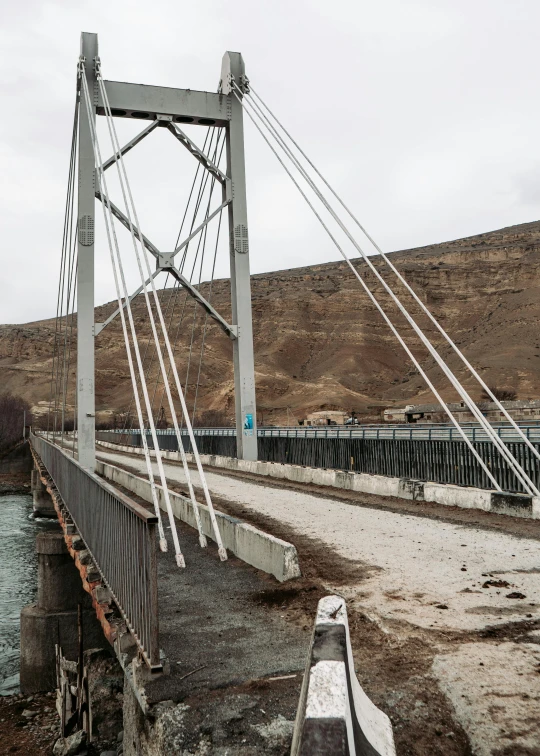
{"points": [[136, 225], [138, 378], [161, 350], [65, 304], [300, 168]]}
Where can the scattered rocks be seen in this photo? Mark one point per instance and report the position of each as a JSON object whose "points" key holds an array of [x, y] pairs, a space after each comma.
{"points": [[516, 595], [71, 745], [496, 584]]}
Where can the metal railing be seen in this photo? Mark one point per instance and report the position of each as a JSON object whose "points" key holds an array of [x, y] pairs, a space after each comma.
{"points": [[121, 537], [416, 431]]}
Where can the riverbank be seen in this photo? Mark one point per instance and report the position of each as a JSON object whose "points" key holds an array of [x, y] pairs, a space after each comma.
{"points": [[14, 483]]}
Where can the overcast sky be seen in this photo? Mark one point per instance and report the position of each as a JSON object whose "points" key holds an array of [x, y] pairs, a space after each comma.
{"points": [[424, 115]]}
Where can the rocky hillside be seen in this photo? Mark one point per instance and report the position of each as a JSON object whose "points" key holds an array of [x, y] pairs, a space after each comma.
{"points": [[319, 343]]}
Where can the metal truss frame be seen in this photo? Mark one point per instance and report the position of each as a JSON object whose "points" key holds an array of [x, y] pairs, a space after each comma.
{"points": [[169, 107]]}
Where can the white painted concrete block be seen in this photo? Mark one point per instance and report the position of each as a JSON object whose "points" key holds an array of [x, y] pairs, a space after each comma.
{"points": [[248, 543], [332, 702], [375, 484], [457, 496], [322, 477]]}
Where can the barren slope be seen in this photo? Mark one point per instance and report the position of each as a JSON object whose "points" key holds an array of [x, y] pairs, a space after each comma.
{"points": [[320, 343]]}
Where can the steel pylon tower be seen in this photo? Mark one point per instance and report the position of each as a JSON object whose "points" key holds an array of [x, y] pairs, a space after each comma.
{"points": [[169, 107]]}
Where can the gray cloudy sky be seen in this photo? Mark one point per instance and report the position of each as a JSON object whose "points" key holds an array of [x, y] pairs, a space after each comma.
{"points": [[424, 114]]}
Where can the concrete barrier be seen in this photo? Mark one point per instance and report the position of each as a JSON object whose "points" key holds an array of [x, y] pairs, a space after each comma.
{"points": [[458, 496], [251, 545], [514, 505], [335, 716]]}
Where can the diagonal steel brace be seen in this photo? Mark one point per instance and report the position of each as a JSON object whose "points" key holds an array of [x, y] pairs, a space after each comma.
{"points": [[203, 159], [130, 145], [165, 263]]}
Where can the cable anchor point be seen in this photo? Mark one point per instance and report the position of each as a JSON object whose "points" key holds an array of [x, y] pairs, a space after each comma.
{"points": [[244, 84]]}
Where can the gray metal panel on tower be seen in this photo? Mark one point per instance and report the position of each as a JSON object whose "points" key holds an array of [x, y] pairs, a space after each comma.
{"points": [[244, 369], [85, 269], [185, 105]]}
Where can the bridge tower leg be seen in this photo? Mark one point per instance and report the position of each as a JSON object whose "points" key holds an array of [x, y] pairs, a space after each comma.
{"points": [[86, 409], [244, 366]]}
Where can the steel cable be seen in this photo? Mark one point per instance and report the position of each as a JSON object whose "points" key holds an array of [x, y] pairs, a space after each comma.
{"points": [[125, 186], [199, 204], [111, 239], [378, 306], [177, 286], [206, 322], [405, 283], [502, 448], [195, 304], [60, 293]]}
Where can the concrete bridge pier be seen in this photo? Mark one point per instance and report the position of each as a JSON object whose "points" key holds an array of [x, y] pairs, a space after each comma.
{"points": [[53, 618], [43, 503]]}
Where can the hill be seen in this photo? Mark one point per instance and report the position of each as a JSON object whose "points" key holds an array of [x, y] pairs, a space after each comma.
{"points": [[319, 343]]}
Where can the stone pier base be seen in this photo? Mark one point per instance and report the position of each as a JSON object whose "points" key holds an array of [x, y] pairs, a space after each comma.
{"points": [[53, 618], [43, 503]]}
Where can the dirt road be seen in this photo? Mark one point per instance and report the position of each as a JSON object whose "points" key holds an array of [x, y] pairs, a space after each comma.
{"points": [[456, 606]]}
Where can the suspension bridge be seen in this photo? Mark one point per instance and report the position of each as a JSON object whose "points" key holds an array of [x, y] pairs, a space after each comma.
{"points": [[121, 522]]}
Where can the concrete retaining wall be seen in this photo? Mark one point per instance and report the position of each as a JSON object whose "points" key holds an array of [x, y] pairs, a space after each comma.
{"points": [[514, 505], [335, 716], [251, 545]]}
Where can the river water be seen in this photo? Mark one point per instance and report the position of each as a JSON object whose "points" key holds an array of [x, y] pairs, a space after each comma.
{"points": [[18, 578]]}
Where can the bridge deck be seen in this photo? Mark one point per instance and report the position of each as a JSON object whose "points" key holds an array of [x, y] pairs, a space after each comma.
{"points": [[427, 627]]}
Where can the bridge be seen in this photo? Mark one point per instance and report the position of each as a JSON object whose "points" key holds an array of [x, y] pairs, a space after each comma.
{"points": [[125, 499]]}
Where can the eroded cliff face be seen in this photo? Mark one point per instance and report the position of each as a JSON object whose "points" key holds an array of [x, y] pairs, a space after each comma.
{"points": [[318, 340]]}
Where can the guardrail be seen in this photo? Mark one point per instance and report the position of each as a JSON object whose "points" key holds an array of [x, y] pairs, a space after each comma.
{"points": [[335, 717], [121, 538], [425, 459], [424, 432]]}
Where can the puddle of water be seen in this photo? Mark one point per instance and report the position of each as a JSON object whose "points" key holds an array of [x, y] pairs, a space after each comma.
{"points": [[18, 578]]}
